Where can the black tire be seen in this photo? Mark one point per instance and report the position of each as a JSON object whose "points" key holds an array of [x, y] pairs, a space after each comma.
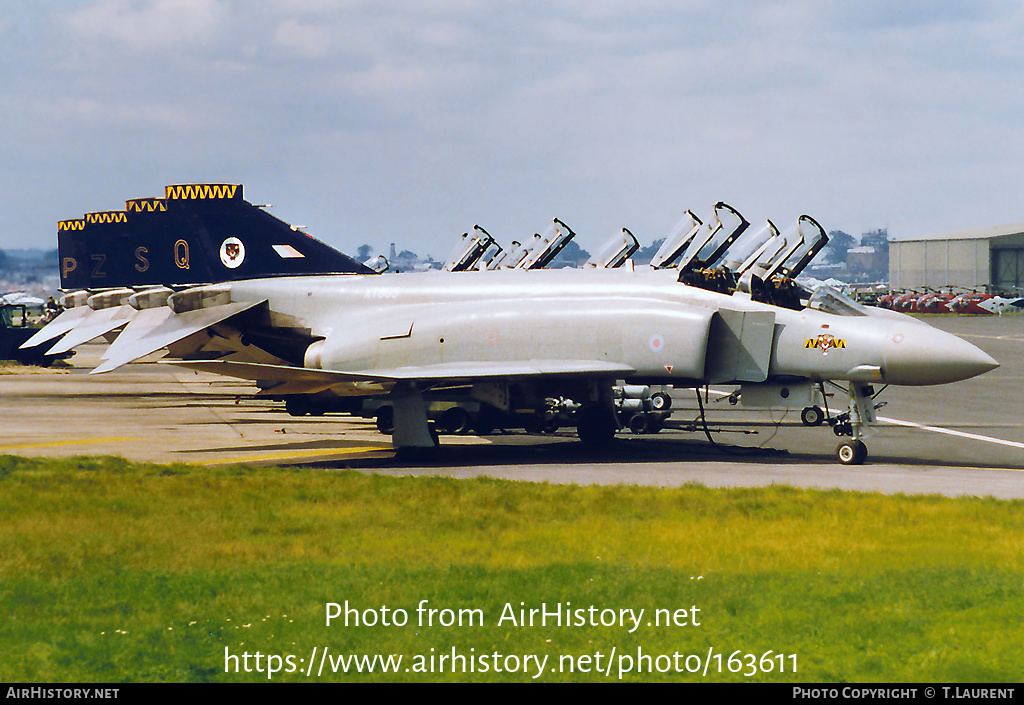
{"points": [[533, 424], [595, 426], [812, 416], [483, 427], [660, 401], [852, 452], [386, 420], [454, 420], [639, 424], [296, 406], [486, 421]]}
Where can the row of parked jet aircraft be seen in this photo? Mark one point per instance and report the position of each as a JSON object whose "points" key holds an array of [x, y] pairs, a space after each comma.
{"points": [[949, 301], [225, 287]]}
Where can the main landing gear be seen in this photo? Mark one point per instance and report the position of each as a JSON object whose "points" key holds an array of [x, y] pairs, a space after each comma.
{"points": [[812, 416]]}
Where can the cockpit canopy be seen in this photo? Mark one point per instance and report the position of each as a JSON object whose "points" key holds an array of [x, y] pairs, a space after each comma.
{"points": [[829, 300]]}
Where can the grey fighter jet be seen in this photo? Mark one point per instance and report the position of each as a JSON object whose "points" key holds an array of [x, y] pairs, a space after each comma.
{"points": [[515, 338]]}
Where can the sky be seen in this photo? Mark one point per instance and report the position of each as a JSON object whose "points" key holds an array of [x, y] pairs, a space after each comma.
{"points": [[374, 122]]}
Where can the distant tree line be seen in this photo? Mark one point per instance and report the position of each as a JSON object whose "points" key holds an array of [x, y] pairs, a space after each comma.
{"points": [[12, 263]]}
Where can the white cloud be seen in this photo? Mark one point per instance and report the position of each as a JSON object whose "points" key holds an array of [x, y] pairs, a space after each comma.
{"points": [[311, 41], [616, 113], [149, 25], [120, 115]]}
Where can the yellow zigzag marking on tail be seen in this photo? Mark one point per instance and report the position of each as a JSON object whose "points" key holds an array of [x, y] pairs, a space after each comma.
{"points": [[192, 192]]}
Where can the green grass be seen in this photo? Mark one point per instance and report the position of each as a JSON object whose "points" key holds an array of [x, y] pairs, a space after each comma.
{"points": [[113, 571]]}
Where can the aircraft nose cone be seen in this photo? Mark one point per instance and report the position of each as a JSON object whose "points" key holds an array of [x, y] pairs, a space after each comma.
{"points": [[916, 355]]}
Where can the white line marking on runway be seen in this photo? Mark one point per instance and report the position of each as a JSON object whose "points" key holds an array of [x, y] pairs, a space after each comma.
{"points": [[950, 432], [1014, 337]]}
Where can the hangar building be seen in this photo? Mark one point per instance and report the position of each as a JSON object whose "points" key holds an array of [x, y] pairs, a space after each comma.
{"points": [[981, 257]]}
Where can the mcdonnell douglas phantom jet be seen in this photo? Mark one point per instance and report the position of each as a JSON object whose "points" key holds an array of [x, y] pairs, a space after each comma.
{"points": [[515, 337]]}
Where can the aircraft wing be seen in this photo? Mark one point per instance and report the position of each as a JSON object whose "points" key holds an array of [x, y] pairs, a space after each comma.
{"points": [[93, 326], [448, 372], [143, 322], [58, 326], [170, 330]]}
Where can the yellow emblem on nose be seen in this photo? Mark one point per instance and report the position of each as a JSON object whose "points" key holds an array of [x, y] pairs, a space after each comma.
{"points": [[824, 342]]}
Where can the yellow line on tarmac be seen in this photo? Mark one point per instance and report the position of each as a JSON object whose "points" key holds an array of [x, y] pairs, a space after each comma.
{"points": [[74, 442], [292, 454]]}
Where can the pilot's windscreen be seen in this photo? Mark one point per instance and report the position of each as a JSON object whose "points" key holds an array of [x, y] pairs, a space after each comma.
{"points": [[829, 300], [745, 245]]}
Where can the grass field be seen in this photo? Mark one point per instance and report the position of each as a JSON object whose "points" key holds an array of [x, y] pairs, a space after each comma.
{"points": [[117, 572]]}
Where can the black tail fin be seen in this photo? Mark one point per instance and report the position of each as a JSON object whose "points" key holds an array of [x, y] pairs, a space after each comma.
{"points": [[196, 234]]}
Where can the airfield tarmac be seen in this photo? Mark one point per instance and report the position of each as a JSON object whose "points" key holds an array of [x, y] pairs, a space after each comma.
{"points": [[961, 439]]}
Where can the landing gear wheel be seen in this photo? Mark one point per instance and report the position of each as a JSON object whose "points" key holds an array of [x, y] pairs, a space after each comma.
{"points": [[595, 426], [296, 406], [386, 420], [661, 401], [639, 424], [812, 416], [852, 452], [455, 420], [483, 427], [533, 424]]}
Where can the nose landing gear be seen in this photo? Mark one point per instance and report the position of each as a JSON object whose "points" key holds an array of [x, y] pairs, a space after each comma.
{"points": [[854, 422]]}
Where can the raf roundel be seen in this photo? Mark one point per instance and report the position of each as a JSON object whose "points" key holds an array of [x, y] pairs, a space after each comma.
{"points": [[232, 253], [656, 343]]}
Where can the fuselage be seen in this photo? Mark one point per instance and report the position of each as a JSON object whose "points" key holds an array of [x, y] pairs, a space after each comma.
{"points": [[643, 318]]}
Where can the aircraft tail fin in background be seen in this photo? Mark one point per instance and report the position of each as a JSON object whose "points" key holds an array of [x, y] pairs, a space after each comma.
{"points": [[196, 233]]}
